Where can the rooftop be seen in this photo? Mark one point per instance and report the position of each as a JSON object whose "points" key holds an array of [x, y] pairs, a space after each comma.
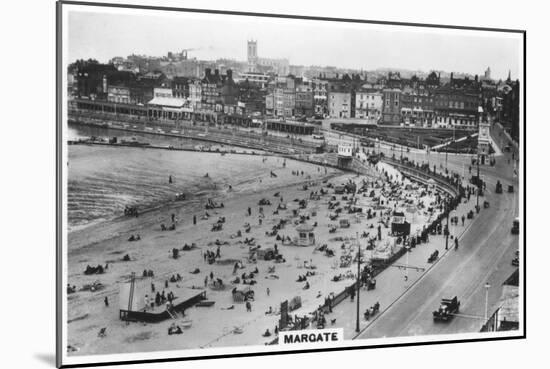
{"points": [[172, 102]]}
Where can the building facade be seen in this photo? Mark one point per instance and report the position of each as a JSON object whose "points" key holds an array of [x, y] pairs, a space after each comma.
{"points": [[417, 107], [391, 111], [339, 104], [456, 108], [368, 104]]}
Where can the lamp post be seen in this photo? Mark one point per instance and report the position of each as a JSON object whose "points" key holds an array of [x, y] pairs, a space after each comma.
{"points": [[487, 286], [447, 231], [478, 185], [446, 153], [358, 283], [407, 248], [480, 113]]}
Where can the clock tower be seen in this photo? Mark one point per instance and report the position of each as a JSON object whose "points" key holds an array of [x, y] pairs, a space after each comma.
{"points": [[483, 140]]}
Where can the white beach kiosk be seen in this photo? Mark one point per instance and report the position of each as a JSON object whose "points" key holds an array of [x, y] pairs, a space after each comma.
{"points": [[306, 236]]}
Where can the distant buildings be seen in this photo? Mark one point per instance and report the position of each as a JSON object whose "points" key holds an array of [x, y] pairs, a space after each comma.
{"points": [[369, 104], [339, 104], [257, 64], [258, 79], [263, 87], [391, 112]]}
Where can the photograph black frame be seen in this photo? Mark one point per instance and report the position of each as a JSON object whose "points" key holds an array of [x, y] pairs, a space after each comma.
{"points": [[59, 206]]}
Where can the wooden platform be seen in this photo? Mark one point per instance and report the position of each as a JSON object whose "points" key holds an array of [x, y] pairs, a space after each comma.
{"points": [[161, 313]]}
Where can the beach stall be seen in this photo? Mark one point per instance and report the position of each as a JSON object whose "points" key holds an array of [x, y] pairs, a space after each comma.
{"points": [[399, 226], [306, 236]]}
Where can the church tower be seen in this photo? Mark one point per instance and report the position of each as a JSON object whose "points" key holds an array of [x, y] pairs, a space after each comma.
{"points": [[252, 51]]}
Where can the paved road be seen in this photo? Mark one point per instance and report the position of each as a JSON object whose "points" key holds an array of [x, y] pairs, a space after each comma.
{"points": [[485, 254]]}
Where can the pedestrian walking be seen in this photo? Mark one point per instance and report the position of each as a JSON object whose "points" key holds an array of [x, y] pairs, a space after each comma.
{"points": [[106, 300], [152, 287], [463, 218], [249, 211], [456, 243], [268, 291], [194, 219], [248, 306]]}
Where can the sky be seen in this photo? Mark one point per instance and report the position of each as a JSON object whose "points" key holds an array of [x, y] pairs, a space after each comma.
{"points": [[102, 35]]}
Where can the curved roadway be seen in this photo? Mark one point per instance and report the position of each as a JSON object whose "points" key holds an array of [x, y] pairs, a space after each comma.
{"points": [[484, 256]]}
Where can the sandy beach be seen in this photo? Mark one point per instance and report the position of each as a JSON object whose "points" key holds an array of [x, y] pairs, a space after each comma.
{"points": [[107, 243]]}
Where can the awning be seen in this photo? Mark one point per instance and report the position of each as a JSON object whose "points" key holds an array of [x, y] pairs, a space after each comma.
{"points": [[172, 102]]}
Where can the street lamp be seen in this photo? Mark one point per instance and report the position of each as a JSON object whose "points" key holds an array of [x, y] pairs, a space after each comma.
{"points": [[478, 185], [487, 286], [446, 153], [447, 231], [407, 248], [358, 283]]}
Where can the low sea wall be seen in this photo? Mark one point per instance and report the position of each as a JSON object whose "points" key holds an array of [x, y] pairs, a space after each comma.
{"points": [[226, 136]]}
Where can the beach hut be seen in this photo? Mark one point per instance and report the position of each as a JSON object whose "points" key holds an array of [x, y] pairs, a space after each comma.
{"points": [[399, 226], [306, 236]]}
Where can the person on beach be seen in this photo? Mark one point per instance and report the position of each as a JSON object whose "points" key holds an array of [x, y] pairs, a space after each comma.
{"points": [[194, 219], [248, 307], [205, 281], [268, 291], [463, 218], [146, 301], [106, 301], [249, 211], [456, 243]]}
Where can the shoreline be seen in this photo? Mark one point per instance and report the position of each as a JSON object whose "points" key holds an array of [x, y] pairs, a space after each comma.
{"points": [[195, 202], [152, 249]]}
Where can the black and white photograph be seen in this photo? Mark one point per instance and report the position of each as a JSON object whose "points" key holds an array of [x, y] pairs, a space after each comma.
{"points": [[236, 183]]}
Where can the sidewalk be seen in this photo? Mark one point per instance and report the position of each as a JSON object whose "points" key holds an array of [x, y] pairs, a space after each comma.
{"points": [[391, 284]]}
